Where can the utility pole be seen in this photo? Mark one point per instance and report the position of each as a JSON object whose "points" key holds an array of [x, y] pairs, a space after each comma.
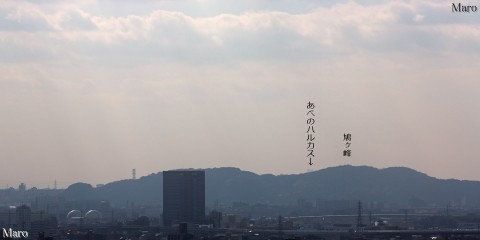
{"points": [[280, 227], [370, 218]]}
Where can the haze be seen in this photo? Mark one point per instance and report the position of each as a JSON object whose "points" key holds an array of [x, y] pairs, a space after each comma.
{"points": [[92, 89]]}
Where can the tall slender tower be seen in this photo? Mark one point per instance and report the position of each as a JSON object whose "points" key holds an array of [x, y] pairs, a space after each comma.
{"points": [[134, 174], [359, 216]]}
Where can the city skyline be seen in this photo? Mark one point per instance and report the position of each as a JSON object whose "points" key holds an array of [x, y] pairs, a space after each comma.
{"points": [[90, 90]]}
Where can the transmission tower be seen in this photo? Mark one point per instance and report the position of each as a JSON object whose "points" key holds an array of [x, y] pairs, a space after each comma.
{"points": [[359, 215]]}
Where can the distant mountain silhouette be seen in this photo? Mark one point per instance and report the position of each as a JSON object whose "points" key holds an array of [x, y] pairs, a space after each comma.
{"points": [[397, 185], [80, 191]]}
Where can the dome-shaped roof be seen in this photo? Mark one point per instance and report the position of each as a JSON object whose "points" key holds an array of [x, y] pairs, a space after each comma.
{"points": [[74, 214], [93, 214]]}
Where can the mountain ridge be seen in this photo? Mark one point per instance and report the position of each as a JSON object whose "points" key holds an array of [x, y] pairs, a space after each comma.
{"points": [[393, 185]]}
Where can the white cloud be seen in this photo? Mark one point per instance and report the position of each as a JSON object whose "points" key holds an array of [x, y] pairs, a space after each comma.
{"points": [[325, 31]]}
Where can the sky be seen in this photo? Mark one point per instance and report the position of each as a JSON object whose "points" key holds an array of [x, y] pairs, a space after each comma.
{"points": [[90, 90]]}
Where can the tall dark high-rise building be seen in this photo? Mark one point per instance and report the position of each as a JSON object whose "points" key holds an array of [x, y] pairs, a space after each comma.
{"points": [[24, 217], [183, 196]]}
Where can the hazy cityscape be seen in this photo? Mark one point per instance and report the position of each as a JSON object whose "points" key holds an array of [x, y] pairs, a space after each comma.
{"points": [[239, 119], [193, 204]]}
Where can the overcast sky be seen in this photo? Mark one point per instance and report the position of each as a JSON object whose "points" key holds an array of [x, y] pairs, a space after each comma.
{"points": [[90, 90]]}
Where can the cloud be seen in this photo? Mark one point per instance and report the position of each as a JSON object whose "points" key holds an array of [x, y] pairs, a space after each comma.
{"points": [[323, 31], [23, 20], [230, 82]]}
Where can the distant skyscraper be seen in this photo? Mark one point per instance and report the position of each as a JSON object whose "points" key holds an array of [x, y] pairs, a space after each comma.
{"points": [[24, 215], [183, 196], [22, 187]]}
